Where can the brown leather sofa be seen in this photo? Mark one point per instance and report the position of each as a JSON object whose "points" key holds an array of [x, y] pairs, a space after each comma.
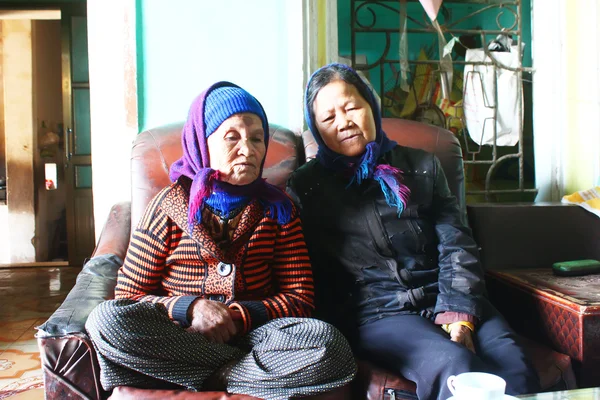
{"points": [[68, 358]]}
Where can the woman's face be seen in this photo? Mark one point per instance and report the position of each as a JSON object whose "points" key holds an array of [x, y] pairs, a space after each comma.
{"points": [[344, 118], [237, 149]]}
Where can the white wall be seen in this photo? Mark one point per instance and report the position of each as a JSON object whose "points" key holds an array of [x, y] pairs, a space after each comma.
{"points": [[188, 44], [113, 101], [19, 114], [179, 48], [566, 97]]}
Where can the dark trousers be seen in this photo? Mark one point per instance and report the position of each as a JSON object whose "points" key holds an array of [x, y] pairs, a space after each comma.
{"points": [[422, 352]]}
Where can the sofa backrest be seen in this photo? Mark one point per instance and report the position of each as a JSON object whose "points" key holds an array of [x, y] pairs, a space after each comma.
{"points": [[156, 149], [526, 235]]}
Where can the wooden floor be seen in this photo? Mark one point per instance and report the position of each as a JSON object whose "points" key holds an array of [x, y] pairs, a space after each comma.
{"points": [[28, 296]]}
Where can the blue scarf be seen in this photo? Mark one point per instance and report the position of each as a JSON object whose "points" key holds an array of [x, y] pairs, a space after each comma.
{"points": [[224, 205], [227, 200]]}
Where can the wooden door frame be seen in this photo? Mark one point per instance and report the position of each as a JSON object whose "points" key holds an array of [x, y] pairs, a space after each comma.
{"points": [[79, 202], [11, 10], [68, 135], [53, 10], [113, 94], [20, 141], [35, 6]]}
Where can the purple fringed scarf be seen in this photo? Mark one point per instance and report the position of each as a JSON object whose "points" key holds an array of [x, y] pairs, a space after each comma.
{"points": [[195, 164], [365, 166]]}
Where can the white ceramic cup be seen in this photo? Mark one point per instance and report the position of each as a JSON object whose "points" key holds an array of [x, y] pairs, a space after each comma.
{"points": [[476, 386]]}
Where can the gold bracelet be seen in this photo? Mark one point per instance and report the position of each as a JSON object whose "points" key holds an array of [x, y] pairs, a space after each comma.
{"points": [[448, 327]]}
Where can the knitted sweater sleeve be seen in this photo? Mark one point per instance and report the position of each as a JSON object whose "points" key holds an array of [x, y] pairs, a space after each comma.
{"points": [[141, 274], [292, 281]]}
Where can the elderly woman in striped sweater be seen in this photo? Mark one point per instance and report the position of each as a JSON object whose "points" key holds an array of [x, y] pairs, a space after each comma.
{"points": [[217, 285]]}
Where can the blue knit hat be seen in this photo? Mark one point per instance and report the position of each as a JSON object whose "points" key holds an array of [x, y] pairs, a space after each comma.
{"points": [[225, 101]]}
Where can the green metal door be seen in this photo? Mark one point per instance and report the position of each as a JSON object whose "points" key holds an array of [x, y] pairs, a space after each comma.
{"points": [[78, 149]]}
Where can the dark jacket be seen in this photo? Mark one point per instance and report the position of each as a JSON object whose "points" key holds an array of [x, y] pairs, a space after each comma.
{"points": [[368, 262]]}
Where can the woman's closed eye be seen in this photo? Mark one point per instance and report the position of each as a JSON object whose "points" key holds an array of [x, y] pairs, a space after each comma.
{"points": [[327, 118]]}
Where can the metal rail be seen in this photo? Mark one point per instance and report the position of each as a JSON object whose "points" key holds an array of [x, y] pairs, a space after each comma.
{"points": [[365, 20]]}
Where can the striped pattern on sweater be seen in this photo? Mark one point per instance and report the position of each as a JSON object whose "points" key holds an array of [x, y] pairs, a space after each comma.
{"points": [[271, 276]]}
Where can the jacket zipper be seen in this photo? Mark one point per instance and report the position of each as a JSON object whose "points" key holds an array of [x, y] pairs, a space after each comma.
{"points": [[416, 229], [378, 232]]}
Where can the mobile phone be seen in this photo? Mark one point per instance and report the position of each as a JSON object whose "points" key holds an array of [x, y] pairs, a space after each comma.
{"points": [[576, 267]]}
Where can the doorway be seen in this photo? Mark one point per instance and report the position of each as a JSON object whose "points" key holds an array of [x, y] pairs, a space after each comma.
{"points": [[45, 147]]}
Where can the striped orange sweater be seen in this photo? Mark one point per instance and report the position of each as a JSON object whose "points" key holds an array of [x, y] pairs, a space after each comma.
{"points": [[265, 273]]}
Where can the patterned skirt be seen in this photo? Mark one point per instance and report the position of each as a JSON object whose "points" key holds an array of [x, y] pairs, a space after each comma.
{"points": [[138, 345]]}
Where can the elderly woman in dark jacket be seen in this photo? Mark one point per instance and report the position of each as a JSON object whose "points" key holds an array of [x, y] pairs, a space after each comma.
{"points": [[217, 285], [396, 268]]}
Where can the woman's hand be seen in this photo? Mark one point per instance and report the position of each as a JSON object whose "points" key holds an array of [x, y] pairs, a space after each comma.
{"points": [[212, 319], [463, 335]]}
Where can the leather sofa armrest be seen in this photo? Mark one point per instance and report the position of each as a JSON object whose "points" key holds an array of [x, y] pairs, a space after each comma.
{"points": [[131, 393], [553, 368], [114, 238], [97, 280], [95, 284]]}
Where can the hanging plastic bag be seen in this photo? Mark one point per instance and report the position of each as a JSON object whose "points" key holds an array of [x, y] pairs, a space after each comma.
{"points": [[480, 85]]}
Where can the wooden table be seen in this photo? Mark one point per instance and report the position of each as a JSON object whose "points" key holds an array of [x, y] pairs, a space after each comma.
{"points": [[563, 312], [579, 394]]}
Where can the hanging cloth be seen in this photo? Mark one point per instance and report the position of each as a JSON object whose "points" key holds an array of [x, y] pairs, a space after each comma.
{"points": [[432, 8], [403, 50]]}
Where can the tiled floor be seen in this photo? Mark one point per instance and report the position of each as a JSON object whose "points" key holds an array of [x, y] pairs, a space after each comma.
{"points": [[28, 296]]}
